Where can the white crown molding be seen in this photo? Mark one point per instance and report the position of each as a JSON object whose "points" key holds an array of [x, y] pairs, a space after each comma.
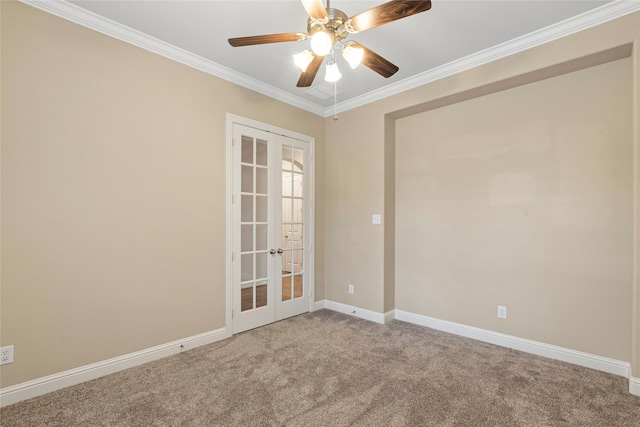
{"points": [[78, 15], [40, 386], [575, 357], [88, 19], [589, 19]]}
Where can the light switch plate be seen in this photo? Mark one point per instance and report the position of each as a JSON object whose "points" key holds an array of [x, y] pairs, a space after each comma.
{"points": [[376, 219]]}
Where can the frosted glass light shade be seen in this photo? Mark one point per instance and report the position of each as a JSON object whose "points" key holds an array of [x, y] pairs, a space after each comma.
{"points": [[303, 59], [353, 55], [333, 73], [321, 43]]}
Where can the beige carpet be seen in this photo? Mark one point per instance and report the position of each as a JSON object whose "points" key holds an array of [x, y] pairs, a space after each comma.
{"points": [[328, 369]]}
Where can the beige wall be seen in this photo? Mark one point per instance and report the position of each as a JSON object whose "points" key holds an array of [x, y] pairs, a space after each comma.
{"points": [[523, 198], [358, 184], [113, 194]]}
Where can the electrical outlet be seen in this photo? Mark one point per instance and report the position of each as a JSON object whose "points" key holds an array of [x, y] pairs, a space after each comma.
{"points": [[502, 312], [6, 355], [351, 289]]}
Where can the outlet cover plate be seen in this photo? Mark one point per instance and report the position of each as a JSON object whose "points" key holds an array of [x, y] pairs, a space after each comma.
{"points": [[502, 312], [6, 355]]}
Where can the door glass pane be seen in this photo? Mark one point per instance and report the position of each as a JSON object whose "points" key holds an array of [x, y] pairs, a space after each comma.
{"points": [[298, 160], [261, 153], [246, 265], [261, 237], [297, 210], [261, 265], [246, 298], [297, 261], [287, 157], [286, 261], [247, 149], [286, 236], [287, 182], [296, 237], [298, 185], [246, 206], [297, 285], [262, 208], [261, 294], [246, 239], [286, 210], [286, 288], [247, 179], [262, 182]]}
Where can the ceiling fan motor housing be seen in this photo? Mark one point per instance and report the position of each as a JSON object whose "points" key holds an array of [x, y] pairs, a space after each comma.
{"points": [[334, 25]]}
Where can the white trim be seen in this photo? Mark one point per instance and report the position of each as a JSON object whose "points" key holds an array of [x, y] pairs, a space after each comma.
{"points": [[319, 305], [362, 313], [93, 21], [40, 386], [80, 16], [233, 119], [389, 316], [228, 317], [589, 19], [634, 386], [575, 357]]}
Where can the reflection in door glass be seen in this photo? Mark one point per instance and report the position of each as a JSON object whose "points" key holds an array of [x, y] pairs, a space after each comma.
{"points": [[292, 222], [298, 160]]}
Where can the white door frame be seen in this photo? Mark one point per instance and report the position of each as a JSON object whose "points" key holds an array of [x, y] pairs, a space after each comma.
{"points": [[310, 272]]}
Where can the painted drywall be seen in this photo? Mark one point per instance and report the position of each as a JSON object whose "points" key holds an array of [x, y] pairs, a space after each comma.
{"points": [[113, 194], [355, 159], [523, 198]]}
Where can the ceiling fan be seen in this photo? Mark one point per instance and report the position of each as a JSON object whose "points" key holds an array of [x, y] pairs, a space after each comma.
{"points": [[328, 27]]}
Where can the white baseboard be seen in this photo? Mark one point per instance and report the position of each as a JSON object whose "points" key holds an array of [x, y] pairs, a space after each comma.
{"points": [[592, 361], [389, 316], [355, 311], [40, 386], [319, 305], [634, 386]]}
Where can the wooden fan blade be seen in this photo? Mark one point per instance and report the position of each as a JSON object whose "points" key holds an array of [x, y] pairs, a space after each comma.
{"points": [[309, 74], [315, 9], [269, 38], [376, 62], [388, 12]]}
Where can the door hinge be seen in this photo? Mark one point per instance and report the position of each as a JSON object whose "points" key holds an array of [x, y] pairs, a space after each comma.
{"points": [[232, 314]]}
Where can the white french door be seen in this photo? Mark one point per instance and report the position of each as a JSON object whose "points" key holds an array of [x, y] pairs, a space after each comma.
{"points": [[271, 217]]}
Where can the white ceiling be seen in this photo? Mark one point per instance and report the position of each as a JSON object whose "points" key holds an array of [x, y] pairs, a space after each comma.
{"points": [[452, 36]]}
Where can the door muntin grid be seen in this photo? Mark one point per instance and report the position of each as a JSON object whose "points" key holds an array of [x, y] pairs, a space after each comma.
{"points": [[254, 223], [292, 283]]}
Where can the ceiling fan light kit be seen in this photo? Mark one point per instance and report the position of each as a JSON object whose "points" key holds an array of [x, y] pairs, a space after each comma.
{"points": [[352, 54], [321, 43], [303, 59], [332, 72], [328, 27]]}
